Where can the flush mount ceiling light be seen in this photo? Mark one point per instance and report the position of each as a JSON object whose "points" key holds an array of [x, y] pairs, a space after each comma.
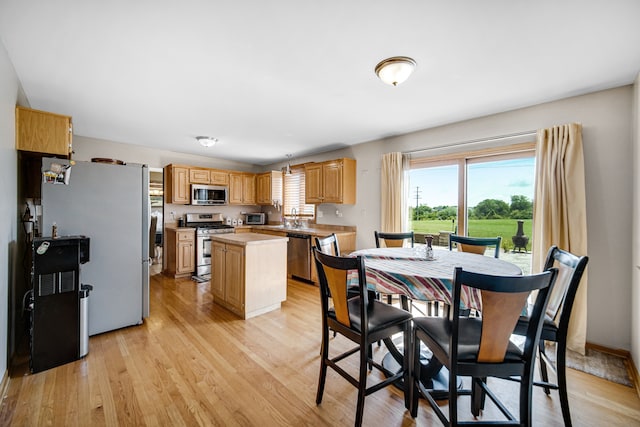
{"points": [[395, 70], [206, 141]]}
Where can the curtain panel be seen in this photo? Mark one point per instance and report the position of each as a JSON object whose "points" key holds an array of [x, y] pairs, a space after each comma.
{"points": [[559, 212], [393, 192]]}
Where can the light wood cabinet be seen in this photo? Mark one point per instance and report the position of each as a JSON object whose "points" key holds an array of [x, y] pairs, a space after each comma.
{"points": [[199, 176], [177, 185], [208, 176], [43, 132], [242, 188], [227, 278], [333, 181], [180, 251], [269, 188], [250, 279], [218, 177]]}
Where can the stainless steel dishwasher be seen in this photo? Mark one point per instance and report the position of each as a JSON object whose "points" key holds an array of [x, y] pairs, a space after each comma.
{"points": [[299, 255]]}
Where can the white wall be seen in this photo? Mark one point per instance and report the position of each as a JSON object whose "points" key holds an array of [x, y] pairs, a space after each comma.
{"points": [[635, 264], [607, 136], [9, 90]]}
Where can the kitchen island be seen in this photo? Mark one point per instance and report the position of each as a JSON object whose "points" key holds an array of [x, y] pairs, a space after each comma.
{"points": [[301, 263], [249, 272]]}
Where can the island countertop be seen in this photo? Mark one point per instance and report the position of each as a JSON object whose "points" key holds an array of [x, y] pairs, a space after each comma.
{"points": [[244, 239]]}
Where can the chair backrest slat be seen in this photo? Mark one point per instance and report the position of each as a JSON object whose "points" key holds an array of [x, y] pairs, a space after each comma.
{"points": [[328, 245], [570, 270], [337, 282], [393, 240], [476, 245], [499, 317]]}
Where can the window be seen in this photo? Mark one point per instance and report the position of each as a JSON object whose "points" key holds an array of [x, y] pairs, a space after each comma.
{"points": [[294, 194], [480, 194]]}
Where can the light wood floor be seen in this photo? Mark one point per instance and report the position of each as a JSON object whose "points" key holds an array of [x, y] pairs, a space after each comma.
{"points": [[194, 363]]}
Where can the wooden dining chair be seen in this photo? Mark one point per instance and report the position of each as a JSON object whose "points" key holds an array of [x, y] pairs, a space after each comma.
{"points": [[476, 245], [479, 347], [556, 321], [393, 240], [359, 320]]}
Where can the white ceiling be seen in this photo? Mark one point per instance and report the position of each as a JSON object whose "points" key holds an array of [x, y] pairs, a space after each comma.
{"points": [[296, 76]]}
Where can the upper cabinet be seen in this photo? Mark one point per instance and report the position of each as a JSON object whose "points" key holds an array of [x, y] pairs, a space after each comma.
{"points": [[43, 132], [333, 181], [208, 176], [176, 185], [242, 188], [269, 188]]}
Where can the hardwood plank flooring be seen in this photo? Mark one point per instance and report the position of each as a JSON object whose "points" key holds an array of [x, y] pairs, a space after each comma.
{"points": [[195, 363]]}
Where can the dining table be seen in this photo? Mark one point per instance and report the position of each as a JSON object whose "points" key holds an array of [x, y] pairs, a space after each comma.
{"points": [[408, 273]]}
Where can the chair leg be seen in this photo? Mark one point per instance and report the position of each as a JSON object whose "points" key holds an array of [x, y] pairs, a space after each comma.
{"points": [[526, 385], [561, 355], [415, 393], [362, 384], [478, 395], [453, 396], [406, 365], [543, 366], [324, 354]]}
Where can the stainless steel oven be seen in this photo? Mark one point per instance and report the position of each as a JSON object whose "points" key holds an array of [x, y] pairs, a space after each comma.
{"points": [[203, 252], [206, 225]]}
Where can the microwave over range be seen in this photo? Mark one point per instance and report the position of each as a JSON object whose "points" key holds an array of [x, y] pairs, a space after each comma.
{"points": [[209, 195]]}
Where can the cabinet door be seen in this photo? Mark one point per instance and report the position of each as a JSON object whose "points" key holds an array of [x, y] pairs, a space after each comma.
{"points": [[249, 189], [43, 132], [199, 176], [332, 182], [234, 273], [186, 253], [313, 183], [263, 189], [219, 177], [235, 188], [218, 278], [180, 185]]}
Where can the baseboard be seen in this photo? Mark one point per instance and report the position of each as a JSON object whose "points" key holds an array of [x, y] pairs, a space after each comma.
{"points": [[628, 362]]}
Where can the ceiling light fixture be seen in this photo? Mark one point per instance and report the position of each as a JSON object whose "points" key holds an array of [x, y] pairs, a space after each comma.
{"points": [[395, 70], [206, 141]]}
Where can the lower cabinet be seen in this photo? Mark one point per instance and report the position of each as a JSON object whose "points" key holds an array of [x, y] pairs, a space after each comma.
{"points": [[249, 280], [180, 251], [227, 276]]}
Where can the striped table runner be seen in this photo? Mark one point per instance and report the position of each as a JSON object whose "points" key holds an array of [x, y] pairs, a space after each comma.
{"points": [[406, 271]]}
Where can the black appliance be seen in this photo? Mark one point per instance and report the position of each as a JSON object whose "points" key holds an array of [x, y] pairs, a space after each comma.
{"points": [[55, 300]]}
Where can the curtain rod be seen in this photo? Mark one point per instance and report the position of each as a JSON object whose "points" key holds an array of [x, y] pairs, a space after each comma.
{"points": [[474, 141]]}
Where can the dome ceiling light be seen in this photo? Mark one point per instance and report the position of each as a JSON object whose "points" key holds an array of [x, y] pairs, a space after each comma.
{"points": [[395, 70], [206, 141]]}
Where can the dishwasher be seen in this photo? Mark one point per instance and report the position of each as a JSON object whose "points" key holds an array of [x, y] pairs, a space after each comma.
{"points": [[299, 255]]}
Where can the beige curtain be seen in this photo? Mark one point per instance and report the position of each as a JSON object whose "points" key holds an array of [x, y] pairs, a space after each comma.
{"points": [[393, 203], [559, 213]]}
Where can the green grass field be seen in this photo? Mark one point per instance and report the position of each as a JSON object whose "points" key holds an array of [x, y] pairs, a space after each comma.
{"points": [[477, 228]]}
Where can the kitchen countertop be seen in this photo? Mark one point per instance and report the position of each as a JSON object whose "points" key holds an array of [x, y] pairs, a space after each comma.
{"points": [[313, 229], [244, 239]]}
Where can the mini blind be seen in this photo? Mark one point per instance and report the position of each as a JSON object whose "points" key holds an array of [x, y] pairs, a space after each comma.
{"points": [[294, 194]]}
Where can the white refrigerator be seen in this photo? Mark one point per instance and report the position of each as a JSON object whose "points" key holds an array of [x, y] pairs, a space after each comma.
{"points": [[108, 203]]}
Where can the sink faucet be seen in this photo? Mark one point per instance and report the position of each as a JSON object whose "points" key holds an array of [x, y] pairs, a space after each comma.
{"points": [[294, 214]]}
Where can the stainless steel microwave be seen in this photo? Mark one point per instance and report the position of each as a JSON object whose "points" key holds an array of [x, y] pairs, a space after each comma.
{"points": [[209, 195], [257, 218]]}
